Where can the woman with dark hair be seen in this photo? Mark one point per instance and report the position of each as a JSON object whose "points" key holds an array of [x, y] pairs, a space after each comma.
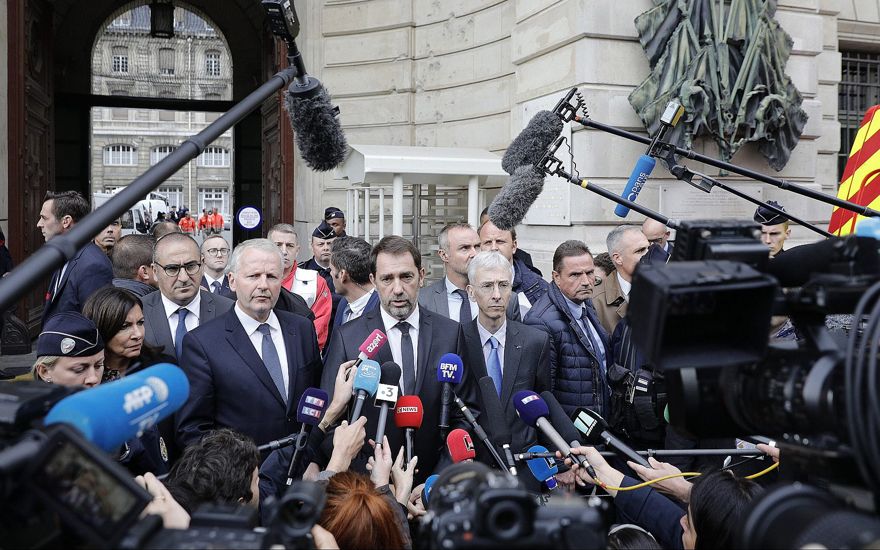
{"points": [[119, 316], [358, 516]]}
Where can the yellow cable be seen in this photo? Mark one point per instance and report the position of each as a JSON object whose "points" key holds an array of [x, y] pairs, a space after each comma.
{"points": [[764, 471], [682, 474]]}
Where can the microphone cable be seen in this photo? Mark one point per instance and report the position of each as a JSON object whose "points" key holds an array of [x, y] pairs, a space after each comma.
{"points": [[650, 482]]}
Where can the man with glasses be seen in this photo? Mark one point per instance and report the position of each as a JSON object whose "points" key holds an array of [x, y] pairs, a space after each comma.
{"points": [[215, 255], [180, 305]]}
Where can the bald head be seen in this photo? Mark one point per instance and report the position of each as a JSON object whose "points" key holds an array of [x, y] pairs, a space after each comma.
{"points": [[655, 232]]}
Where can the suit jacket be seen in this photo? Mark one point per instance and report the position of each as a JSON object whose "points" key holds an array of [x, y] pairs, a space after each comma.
{"points": [[526, 367], [437, 336], [157, 332], [433, 298], [86, 272], [372, 304], [610, 303], [230, 386]]}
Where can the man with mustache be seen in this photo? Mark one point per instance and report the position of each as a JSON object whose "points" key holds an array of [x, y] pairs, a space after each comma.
{"points": [[179, 306], [248, 367]]}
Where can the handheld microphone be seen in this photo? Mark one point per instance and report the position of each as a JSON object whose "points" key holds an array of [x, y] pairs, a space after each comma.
{"points": [[366, 382], [449, 372], [595, 430], [534, 411], [110, 414], [637, 179], [426, 490], [312, 404], [481, 433], [408, 415], [544, 469], [565, 426], [460, 446], [370, 347], [512, 203], [496, 422], [313, 117], [386, 396], [531, 144]]}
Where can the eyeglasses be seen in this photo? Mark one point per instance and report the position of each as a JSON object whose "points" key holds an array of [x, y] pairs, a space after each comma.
{"points": [[217, 251], [172, 270]]}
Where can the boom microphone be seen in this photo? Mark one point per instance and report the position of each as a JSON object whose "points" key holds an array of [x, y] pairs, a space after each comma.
{"points": [[386, 396], [495, 421], [312, 404], [449, 372], [531, 144], [110, 414], [512, 203], [544, 469], [637, 179], [316, 127], [595, 430], [366, 382], [460, 446], [408, 415]]}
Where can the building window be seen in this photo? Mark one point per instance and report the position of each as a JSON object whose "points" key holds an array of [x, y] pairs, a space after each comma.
{"points": [[212, 63], [174, 195], [858, 91], [214, 156], [160, 152], [123, 21], [214, 197], [120, 60], [166, 62], [120, 155]]}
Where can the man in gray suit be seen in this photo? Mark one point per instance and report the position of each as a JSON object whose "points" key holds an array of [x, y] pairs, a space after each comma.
{"points": [[177, 267]]}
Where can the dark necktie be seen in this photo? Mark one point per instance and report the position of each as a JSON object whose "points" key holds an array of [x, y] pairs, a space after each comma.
{"points": [[271, 360], [181, 331], [215, 287], [406, 356], [464, 314], [596, 348]]}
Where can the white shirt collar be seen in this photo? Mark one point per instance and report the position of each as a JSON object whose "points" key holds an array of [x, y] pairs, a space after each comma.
{"points": [[361, 303], [501, 335], [193, 307], [212, 280], [390, 321], [624, 286], [251, 325], [450, 288]]}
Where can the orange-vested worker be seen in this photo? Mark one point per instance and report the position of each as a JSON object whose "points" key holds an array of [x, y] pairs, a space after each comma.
{"points": [[187, 224], [215, 222], [203, 221]]}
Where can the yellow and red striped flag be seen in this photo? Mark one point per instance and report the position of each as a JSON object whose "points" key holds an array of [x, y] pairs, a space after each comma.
{"points": [[860, 182]]}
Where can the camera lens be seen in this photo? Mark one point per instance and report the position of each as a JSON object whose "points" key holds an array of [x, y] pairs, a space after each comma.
{"points": [[506, 520]]}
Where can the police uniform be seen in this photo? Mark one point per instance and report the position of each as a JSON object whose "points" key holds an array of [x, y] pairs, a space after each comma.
{"points": [[781, 327], [325, 232], [333, 213]]}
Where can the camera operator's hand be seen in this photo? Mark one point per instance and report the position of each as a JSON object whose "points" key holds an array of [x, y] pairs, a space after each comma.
{"points": [[380, 463], [403, 479], [414, 505], [608, 476], [342, 388], [347, 442], [567, 480], [772, 452], [163, 504], [324, 539], [677, 487]]}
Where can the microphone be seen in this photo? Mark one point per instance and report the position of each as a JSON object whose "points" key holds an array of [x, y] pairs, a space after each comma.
{"points": [[460, 446], [426, 490], [512, 203], [531, 144], [408, 415], [449, 372], [366, 382], [386, 396], [309, 411], [544, 469], [643, 168], [481, 433], [276, 444], [370, 347], [530, 455], [595, 430], [316, 127], [110, 414], [534, 411], [495, 419]]}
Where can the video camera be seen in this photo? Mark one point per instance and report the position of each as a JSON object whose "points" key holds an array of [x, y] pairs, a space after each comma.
{"points": [[473, 506]]}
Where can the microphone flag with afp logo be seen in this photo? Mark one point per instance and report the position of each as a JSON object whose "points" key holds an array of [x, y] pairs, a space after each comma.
{"points": [[110, 414]]}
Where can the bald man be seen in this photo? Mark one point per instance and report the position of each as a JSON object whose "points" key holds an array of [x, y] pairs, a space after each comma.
{"points": [[658, 234]]}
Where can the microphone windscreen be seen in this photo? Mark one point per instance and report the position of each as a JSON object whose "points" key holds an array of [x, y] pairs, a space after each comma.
{"points": [[493, 413], [460, 445], [319, 135], [543, 468], [512, 203], [529, 406], [390, 373], [374, 342], [110, 414], [312, 404], [426, 490], [450, 369], [408, 412], [531, 144], [637, 179], [559, 419], [589, 425], [367, 377]]}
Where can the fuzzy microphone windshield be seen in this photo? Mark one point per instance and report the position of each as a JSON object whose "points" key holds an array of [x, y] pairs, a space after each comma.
{"points": [[319, 135], [531, 144], [512, 203]]}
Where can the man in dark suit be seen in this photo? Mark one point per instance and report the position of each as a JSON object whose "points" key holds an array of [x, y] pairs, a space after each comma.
{"points": [[350, 270], [658, 234], [515, 356], [87, 271], [248, 367], [177, 267], [417, 338], [215, 257]]}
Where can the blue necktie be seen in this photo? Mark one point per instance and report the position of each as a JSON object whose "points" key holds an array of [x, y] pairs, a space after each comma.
{"points": [[272, 362], [494, 365], [345, 313], [464, 314], [181, 331], [215, 287]]}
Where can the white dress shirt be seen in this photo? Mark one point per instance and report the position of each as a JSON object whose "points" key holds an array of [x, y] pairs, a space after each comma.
{"points": [[192, 316], [625, 287], [453, 301], [251, 328], [501, 336], [394, 335], [356, 308]]}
